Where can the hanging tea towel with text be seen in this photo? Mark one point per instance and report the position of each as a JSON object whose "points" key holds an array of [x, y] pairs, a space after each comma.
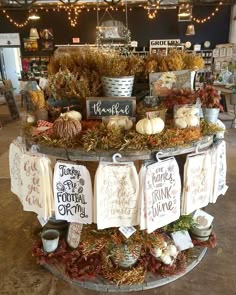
{"points": [[162, 189], [197, 182], [72, 192], [16, 152], [116, 195], [219, 167], [37, 184]]}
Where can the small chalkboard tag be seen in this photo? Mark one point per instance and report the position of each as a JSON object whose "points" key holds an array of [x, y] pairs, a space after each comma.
{"points": [[98, 107], [127, 231], [11, 103], [73, 234]]}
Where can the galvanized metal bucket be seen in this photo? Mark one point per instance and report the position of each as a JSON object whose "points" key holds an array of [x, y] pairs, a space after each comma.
{"points": [[210, 115], [118, 86]]}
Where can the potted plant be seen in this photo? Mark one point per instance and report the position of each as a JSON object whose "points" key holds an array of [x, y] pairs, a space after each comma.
{"points": [[210, 101], [117, 73]]}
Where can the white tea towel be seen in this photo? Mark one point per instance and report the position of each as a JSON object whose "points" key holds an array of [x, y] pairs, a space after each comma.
{"points": [[197, 184], [72, 193], [33, 189], [162, 193], [116, 195], [219, 173], [16, 152]]}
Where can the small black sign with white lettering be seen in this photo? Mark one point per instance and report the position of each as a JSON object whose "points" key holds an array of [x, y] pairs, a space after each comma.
{"points": [[98, 107]]}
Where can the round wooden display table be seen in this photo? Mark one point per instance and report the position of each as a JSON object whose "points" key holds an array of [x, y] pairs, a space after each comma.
{"points": [[151, 281], [131, 155]]}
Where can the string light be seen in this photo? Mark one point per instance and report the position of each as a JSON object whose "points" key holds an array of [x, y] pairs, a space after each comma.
{"points": [[73, 19], [18, 25], [203, 20]]}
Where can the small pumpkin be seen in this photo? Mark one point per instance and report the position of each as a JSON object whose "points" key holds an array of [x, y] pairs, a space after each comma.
{"points": [[166, 259], [150, 126], [120, 121], [66, 128], [73, 115]]}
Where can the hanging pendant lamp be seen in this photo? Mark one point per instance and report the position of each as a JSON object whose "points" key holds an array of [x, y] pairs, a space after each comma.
{"points": [[190, 30], [34, 33]]}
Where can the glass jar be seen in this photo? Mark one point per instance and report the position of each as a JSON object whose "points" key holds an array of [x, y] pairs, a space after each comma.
{"points": [[186, 116]]}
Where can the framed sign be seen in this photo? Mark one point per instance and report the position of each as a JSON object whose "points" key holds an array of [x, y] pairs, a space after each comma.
{"points": [[162, 82], [98, 107]]}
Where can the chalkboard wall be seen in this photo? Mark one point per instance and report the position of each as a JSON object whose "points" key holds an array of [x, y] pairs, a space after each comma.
{"points": [[164, 26]]}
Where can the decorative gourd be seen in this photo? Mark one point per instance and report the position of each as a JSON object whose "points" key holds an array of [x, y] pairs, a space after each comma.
{"points": [[166, 259], [66, 128], [156, 252], [120, 121], [171, 250], [72, 115], [150, 126], [30, 119], [186, 116]]}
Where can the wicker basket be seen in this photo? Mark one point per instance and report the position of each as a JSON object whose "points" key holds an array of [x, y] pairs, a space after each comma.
{"points": [[119, 86]]}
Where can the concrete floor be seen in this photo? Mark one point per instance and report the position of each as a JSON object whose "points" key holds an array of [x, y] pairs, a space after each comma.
{"points": [[19, 274]]}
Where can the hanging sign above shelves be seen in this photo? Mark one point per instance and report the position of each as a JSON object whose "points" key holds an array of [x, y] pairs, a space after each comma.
{"points": [[11, 39]]}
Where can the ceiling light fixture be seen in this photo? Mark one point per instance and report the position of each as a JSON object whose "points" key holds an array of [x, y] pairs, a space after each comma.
{"points": [[34, 33], [190, 30], [34, 16], [185, 12]]}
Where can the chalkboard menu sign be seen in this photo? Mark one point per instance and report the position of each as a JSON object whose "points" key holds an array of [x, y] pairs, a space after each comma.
{"points": [[10, 100], [98, 107]]}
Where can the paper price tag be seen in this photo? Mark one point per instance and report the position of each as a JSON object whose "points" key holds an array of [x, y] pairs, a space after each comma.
{"points": [[182, 240], [127, 231], [42, 220]]}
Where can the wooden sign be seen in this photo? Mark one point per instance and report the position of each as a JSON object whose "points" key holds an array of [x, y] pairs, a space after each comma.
{"points": [[9, 39], [167, 80], [11, 103], [98, 107]]}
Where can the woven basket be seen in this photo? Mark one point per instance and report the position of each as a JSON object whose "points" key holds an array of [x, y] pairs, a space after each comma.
{"points": [[119, 86]]}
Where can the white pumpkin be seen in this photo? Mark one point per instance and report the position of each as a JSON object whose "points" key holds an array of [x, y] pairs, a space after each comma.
{"points": [[181, 123], [150, 126], [171, 250], [192, 121], [166, 259], [120, 121], [164, 245], [30, 119], [181, 112], [156, 252], [74, 115]]}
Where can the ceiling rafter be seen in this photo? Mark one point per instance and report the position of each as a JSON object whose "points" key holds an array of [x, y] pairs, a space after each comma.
{"points": [[50, 4]]}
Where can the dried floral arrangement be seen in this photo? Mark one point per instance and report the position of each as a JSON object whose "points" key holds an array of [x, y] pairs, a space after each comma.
{"points": [[180, 97], [93, 257], [37, 100], [77, 72], [112, 64], [174, 61], [62, 85], [98, 137]]}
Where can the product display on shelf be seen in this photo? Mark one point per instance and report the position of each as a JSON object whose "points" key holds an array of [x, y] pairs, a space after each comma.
{"points": [[35, 66], [129, 216]]}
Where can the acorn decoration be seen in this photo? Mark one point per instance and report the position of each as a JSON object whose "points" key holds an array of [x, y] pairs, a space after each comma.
{"points": [[67, 126]]}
